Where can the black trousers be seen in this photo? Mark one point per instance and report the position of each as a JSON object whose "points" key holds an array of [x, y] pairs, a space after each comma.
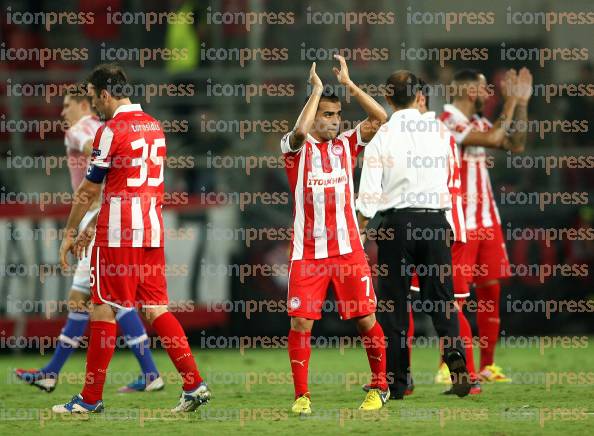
{"points": [[421, 243]]}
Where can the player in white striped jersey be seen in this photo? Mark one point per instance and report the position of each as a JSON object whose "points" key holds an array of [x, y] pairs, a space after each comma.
{"points": [[326, 246], [485, 251], [128, 257], [83, 123]]}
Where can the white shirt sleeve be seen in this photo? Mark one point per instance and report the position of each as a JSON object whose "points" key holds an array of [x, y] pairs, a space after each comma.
{"points": [[370, 187], [286, 144], [102, 151], [360, 142]]}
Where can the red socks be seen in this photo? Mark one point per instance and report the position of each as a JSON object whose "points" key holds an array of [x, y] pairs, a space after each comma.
{"points": [[466, 336], [299, 354], [101, 347], [488, 320], [174, 340], [375, 345]]}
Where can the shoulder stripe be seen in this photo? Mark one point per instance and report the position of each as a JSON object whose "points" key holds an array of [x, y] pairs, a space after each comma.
{"points": [[104, 147]]}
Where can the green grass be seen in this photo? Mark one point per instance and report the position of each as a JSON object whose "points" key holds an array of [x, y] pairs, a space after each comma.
{"points": [[262, 407]]}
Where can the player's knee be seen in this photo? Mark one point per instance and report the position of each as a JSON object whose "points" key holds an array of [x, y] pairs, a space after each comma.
{"points": [[152, 313], [102, 312], [78, 301], [301, 324]]}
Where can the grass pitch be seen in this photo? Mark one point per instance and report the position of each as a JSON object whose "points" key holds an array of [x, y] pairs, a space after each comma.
{"points": [[552, 392]]}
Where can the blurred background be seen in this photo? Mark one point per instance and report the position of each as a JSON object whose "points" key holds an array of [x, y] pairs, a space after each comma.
{"points": [[218, 126]]}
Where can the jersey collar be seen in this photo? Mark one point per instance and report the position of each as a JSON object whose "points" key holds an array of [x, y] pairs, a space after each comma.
{"points": [[127, 108]]}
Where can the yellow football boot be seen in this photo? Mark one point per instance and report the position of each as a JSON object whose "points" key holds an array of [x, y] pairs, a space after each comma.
{"points": [[302, 406], [493, 373], [443, 375], [375, 399]]}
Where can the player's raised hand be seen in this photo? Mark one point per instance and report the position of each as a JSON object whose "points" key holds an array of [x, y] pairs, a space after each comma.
{"points": [[83, 241], [314, 80], [342, 75], [65, 248], [508, 85], [524, 86]]}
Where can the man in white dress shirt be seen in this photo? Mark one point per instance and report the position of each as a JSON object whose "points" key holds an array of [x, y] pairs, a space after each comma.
{"points": [[405, 178]]}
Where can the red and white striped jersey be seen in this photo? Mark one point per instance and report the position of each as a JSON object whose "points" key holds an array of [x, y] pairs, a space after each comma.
{"points": [[75, 138], [131, 149], [455, 215], [321, 180], [480, 209]]}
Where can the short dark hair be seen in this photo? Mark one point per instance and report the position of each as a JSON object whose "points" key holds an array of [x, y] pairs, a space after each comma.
{"points": [[109, 77], [403, 86], [467, 75], [327, 94]]}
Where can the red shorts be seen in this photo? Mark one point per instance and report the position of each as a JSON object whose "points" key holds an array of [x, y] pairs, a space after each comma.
{"points": [[128, 277], [460, 273], [351, 276], [486, 254]]}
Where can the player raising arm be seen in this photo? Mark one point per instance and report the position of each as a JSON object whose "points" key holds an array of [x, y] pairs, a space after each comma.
{"points": [[326, 247], [376, 115], [516, 89], [485, 246]]}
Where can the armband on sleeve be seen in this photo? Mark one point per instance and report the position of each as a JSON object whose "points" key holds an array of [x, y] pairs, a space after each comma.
{"points": [[96, 174]]}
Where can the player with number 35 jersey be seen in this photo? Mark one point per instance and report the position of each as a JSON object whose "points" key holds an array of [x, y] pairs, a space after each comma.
{"points": [[128, 257], [129, 151]]}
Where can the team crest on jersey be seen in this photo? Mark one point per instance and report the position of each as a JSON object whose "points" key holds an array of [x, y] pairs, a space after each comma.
{"points": [[337, 149], [294, 303]]}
